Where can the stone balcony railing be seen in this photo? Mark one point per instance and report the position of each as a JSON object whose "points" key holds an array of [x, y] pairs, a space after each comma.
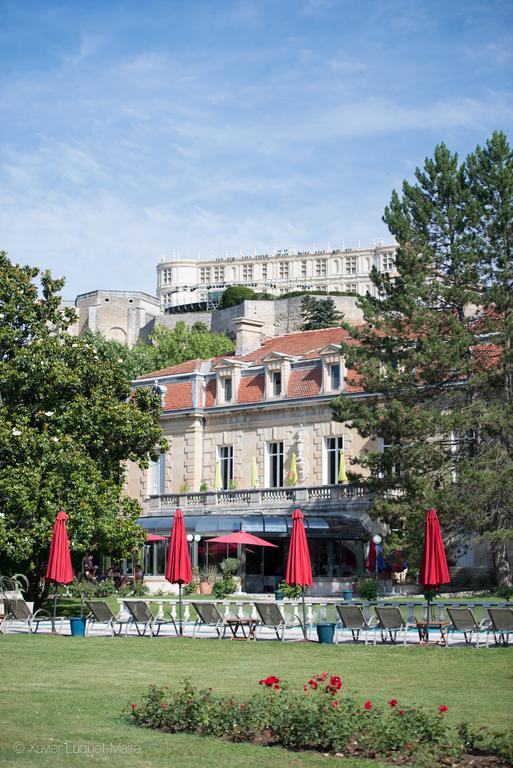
{"points": [[327, 495]]}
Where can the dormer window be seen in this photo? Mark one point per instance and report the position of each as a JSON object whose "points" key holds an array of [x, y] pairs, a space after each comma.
{"points": [[332, 369], [334, 376], [276, 383], [227, 389]]}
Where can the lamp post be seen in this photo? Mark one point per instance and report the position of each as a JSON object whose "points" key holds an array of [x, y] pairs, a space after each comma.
{"points": [[377, 541]]}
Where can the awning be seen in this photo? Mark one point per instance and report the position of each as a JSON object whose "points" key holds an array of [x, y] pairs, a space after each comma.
{"points": [[276, 526]]}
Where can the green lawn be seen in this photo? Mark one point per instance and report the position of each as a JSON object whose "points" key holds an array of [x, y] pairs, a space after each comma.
{"points": [[62, 689]]}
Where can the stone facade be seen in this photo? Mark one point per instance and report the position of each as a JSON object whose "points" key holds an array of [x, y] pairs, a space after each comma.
{"points": [[183, 282]]}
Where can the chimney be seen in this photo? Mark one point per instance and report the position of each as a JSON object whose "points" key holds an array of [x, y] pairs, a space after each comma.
{"points": [[248, 335]]}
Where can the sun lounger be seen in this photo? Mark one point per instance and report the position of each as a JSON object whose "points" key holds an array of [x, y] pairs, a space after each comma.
{"points": [[271, 616], [208, 616], [391, 622], [17, 610], [501, 624], [351, 617], [101, 613], [463, 620], [141, 616]]}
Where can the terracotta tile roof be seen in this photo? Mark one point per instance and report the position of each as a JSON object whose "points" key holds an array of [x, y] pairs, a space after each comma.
{"points": [[487, 355], [298, 344], [251, 388], [305, 382], [210, 393], [178, 395], [188, 367]]}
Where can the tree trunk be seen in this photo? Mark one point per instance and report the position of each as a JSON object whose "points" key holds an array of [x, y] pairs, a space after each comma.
{"points": [[501, 563]]}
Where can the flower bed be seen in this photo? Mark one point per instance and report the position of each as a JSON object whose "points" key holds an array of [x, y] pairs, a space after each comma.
{"points": [[319, 717]]}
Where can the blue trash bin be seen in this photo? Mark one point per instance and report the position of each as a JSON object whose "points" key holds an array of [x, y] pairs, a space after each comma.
{"points": [[325, 632], [347, 594], [77, 626]]}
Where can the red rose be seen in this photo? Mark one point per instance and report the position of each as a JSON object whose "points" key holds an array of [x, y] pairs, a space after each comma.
{"points": [[401, 711], [336, 682], [305, 688], [393, 702], [277, 687], [335, 704], [134, 706], [312, 684], [324, 675], [164, 706], [367, 705], [442, 708]]}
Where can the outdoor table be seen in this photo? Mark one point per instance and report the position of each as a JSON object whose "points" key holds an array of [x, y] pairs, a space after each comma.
{"points": [[423, 628], [236, 623]]}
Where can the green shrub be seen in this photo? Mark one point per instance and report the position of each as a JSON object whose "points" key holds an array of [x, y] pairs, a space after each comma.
{"points": [[318, 718], [224, 587], [234, 295], [368, 589], [191, 588], [289, 591], [230, 566], [505, 593]]}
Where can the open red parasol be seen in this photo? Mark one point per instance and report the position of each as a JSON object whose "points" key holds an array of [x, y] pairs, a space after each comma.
{"points": [[299, 567], [178, 566], [151, 537], [243, 538]]}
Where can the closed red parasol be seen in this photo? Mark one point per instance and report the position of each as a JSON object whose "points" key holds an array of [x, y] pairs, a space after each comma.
{"points": [[299, 568], [178, 566], [59, 568], [370, 560], [433, 566]]}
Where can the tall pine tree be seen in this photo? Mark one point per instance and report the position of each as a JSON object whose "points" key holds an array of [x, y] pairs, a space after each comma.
{"points": [[438, 348]]}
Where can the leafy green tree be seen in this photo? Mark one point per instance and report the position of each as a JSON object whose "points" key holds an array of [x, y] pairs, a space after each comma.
{"points": [[166, 347], [319, 313], [437, 347], [234, 295], [68, 425]]}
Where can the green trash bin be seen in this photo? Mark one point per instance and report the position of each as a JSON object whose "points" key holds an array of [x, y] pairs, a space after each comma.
{"points": [[325, 632], [77, 626]]}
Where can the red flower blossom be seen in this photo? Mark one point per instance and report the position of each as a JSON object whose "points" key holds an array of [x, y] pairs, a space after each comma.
{"points": [[335, 704], [442, 708], [134, 706], [324, 675], [164, 707], [336, 682], [401, 711], [277, 687], [305, 688], [312, 683], [367, 705], [269, 681], [393, 702]]}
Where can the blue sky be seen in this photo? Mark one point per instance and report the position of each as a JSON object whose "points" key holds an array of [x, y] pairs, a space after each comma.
{"points": [[131, 130]]}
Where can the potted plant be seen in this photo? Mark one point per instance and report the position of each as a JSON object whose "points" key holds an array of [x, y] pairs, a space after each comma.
{"points": [[207, 577], [284, 590]]}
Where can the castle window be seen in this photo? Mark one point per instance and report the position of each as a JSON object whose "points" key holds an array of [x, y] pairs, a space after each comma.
{"points": [[321, 267], [333, 446], [204, 274], [351, 265], [276, 383], [284, 269], [275, 464], [388, 262], [225, 456], [247, 271], [303, 269]]}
